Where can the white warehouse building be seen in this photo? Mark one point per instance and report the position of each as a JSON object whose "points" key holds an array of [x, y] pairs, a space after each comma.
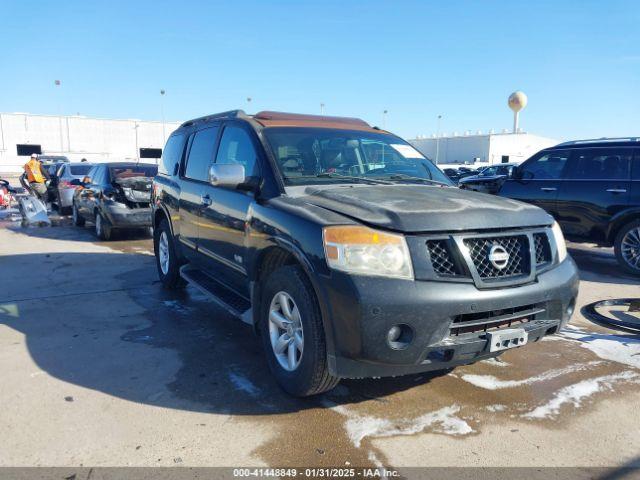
{"points": [[488, 148], [78, 137]]}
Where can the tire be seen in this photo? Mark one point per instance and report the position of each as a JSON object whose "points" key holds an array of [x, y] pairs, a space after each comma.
{"points": [[310, 373], [103, 229], [170, 273], [76, 218], [627, 247]]}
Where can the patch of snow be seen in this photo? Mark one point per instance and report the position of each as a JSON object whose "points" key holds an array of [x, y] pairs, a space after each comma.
{"points": [[440, 421], [615, 348], [576, 393], [244, 384], [495, 362], [489, 382], [496, 408]]}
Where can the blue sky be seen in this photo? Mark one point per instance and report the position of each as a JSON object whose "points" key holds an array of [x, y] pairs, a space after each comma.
{"points": [[578, 61]]}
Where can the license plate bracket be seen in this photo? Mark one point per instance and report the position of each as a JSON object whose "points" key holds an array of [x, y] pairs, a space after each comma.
{"points": [[507, 338]]}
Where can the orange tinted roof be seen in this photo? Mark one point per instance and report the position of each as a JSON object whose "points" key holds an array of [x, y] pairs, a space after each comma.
{"points": [[283, 119]]}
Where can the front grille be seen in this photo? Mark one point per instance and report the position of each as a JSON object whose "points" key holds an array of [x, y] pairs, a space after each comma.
{"points": [[495, 319], [543, 248], [441, 258], [516, 246]]}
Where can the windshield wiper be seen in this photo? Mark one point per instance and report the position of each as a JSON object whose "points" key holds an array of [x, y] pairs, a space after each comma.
{"points": [[402, 176], [353, 177]]}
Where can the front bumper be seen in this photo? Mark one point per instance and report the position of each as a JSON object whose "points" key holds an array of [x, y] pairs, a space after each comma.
{"points": [[121, 216], [361, 310]]}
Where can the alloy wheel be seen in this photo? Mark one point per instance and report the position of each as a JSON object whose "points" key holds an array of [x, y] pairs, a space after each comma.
{"points": [[630, 248], [98, 225], [285, 331], [163, 253]]}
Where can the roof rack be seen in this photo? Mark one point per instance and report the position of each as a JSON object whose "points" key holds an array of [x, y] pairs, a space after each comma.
{"points": [[228, 114], [599, 140]]}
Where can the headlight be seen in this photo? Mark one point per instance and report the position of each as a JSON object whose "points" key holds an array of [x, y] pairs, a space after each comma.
{"points": [[559, 240], [364, 251]]}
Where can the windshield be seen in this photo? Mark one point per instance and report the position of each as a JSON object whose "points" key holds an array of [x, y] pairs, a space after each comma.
{"points": [[321, 155], [119, 173], [497, 170]]}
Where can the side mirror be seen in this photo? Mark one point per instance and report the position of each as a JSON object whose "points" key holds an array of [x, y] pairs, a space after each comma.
{"points": [[226, 175], [76, 182]]}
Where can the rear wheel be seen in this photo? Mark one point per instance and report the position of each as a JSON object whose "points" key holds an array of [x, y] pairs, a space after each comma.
{"points": [[627, 247], [167, 259], [77, 219], [103, 229], [293, 335]]}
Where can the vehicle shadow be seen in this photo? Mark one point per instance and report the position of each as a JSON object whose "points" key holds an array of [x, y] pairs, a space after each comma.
{"points": [[598, 264], [102, 321], [78, 234]]}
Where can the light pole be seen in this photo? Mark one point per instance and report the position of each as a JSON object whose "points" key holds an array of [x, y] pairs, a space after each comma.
{"points": [[164, 137], [248, 102], [58, 84], [384, 119], [322, 109], [438, 139]]}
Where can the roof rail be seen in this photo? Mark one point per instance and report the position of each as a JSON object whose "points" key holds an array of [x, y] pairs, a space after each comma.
{"points": [[228, 114], [601, 140]]}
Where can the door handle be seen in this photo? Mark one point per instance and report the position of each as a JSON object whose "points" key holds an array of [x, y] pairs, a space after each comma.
{"points": [[617, 190], [205, 200], [548, 189]]}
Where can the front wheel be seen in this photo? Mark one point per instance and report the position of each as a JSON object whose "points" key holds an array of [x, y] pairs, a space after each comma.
{"points": [[627, 247], [293, 335]]}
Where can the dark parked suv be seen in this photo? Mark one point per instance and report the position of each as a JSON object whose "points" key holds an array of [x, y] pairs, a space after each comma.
{"points": [[592, 188], [350, 253]]}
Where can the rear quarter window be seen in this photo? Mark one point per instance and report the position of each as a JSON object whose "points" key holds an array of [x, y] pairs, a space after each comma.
{"points": [[172, 154]]}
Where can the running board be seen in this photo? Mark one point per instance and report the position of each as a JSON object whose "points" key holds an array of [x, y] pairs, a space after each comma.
{"points": [[235, 304]]}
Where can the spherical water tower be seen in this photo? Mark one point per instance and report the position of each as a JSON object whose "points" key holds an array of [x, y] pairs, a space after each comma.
{"points": [[517, 101]]}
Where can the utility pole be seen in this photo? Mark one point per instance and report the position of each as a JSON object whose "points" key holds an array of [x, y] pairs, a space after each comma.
{"points": [[58, 84], [322, 109], [164, 136], [438, 139]]}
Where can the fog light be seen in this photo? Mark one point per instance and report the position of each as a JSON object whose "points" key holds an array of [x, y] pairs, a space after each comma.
{"points": [[571, 307], [399, 336]]}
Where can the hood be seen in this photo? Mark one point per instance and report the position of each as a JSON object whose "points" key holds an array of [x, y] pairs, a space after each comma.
{"points": [[420, 208]]}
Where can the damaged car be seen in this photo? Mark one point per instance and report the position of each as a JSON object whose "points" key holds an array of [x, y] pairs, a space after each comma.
{"points": [[114, 196]]}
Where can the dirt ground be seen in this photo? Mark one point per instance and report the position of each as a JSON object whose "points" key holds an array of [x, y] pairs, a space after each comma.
{"points": [[101, 367]]}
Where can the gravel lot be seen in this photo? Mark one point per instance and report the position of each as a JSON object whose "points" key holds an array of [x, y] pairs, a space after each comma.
{"points": [[101, 367]]}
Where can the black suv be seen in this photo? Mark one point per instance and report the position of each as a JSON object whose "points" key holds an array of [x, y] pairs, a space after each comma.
{"points": [[592, 188], [350, 253]]}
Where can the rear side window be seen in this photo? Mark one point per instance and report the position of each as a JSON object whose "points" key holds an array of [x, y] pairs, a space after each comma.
{"points": [[548, 166], [172, 154], [79, 170], [201, 154], [236, 147], [601, 164]]}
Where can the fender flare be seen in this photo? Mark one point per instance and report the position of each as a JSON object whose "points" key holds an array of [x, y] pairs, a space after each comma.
{"points": [[619, 220], [311, 273]]}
